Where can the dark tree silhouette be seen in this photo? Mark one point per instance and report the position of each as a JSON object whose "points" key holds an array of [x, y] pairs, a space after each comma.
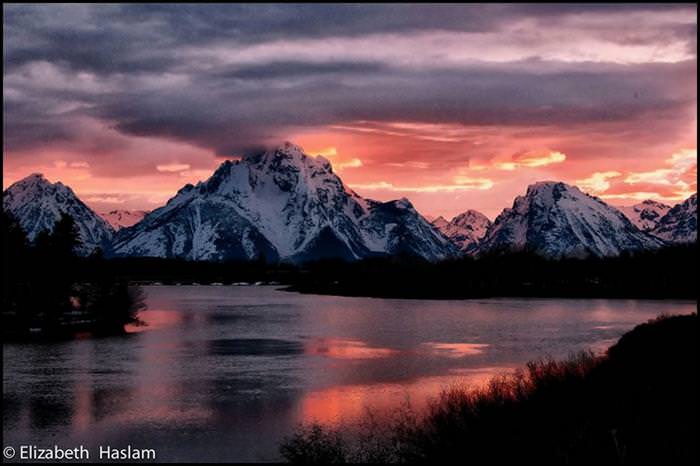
{"points": [[51, 291], [15, 256]]}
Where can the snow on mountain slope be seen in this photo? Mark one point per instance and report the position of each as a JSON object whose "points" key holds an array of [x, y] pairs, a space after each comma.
{"points": [[680, 224], [395, 227], [120, 218], [646, 214], [465, 230], [38, 204], [558, 220], [282, 204]]}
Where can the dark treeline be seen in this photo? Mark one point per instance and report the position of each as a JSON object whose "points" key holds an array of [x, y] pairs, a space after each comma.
{"points": [[49, 291], [667, 273], [180, 271], [637, 404]]}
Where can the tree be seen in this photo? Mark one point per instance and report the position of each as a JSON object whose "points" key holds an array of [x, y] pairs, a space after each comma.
{"points": [[14, 271], [65, 237], [14, 238]]}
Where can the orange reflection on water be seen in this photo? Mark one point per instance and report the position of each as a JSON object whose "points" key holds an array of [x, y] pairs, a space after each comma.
{"points": [[457, 350], [154, 319], [350, 403], [338, 348]]}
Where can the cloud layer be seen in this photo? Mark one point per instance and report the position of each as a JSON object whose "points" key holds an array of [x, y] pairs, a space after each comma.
{"points": [[415, 96]]}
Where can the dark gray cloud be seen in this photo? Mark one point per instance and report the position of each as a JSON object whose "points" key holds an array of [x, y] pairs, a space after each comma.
{"points": [[221, 113], [115, 38], [181, 71]]}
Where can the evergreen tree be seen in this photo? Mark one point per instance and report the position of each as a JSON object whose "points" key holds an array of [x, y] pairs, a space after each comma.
{"points": [[65, 237], [14, 272]]}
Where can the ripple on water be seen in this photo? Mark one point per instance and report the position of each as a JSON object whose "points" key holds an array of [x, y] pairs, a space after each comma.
{"points": [[255, 347]]}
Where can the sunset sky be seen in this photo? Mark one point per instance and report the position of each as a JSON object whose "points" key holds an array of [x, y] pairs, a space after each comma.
{"points": [[454, 107]]}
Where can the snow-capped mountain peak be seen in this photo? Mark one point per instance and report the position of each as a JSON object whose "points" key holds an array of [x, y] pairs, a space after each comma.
{"points": [[38, 204], [680, 224], [283, 204], [646, 214], [557, 220], [121, 218], [465, 230]]}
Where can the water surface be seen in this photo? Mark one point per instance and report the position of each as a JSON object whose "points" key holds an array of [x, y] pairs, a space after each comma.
{"points": [[223, 373]]}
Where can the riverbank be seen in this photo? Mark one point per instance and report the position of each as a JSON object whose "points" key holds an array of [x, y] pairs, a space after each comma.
{"points": [[637, 404]]}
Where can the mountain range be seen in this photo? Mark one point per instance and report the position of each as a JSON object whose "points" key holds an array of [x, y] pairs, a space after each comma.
{"points": [[284, 205]]}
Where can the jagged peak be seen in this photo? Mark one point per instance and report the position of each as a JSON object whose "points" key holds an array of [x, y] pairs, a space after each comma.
{"points": [[469, 215], [38, 180], [402, 203], [288, 147], [547, 186], [36, 176], [124, 211], [33, 179], [286, 154], [651, 202]]}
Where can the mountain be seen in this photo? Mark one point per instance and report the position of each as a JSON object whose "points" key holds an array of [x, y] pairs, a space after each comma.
{"points": [[680, 224], [438, 222], [465, 230], [557, 220], [646, 214], [38, 204], [281, 204], [121, 218]]}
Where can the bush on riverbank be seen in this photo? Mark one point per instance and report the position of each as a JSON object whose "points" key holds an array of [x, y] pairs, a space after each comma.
{"points": [[51, 292], [636, 404]]}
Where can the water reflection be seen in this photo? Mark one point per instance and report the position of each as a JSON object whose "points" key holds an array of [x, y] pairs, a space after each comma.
{"points": [[457, 350], [339, 348], [223, 373], [155, 319], [347, 404]]}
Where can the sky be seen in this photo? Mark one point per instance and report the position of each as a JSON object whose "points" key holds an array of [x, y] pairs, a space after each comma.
{"points": [[455, 107]]}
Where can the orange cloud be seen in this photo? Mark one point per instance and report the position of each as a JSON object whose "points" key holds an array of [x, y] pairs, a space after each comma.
{"points": [[644, 195], [461, 184], [173, 167], [352, 163], [532, 159], [109, 199], [681, 164], [597, 182], [326, 152], [473, 183], [338, 165], [409, 164], [673, 182]]}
